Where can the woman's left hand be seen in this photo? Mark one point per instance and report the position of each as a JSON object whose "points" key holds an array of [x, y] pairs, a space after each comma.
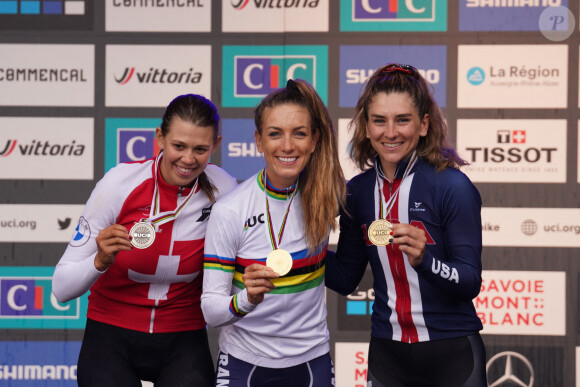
{"points": [[411, 240]]}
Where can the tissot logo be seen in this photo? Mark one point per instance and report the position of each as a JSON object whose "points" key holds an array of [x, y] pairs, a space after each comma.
{"points": [[513, 150], [511, 136], [499, 154], [509, 369], [156, 75]]}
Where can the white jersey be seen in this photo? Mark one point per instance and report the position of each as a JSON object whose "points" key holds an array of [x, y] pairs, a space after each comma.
{"points": [[289, 326]]}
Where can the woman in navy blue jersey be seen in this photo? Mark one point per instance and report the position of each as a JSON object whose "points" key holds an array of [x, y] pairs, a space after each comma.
{"points": [[417, 220]]}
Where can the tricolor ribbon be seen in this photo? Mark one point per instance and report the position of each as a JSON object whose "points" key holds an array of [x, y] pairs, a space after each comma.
{"points": [[157, 218]]}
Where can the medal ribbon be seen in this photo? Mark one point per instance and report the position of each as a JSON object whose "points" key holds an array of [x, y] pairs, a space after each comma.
{"points": [[269, 217], [157, 218], [392, 199]]}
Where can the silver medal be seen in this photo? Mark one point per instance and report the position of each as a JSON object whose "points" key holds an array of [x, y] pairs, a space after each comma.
{"points": [[142, 235]]}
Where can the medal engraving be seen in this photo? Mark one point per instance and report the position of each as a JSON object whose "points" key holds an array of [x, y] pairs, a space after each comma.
{"points": [[380, 232], [142, 235], [280, 261]]}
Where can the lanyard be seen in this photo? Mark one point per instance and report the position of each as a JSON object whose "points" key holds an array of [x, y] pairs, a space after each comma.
{"points": [[275, 243], [389, 205], [157, 218]]}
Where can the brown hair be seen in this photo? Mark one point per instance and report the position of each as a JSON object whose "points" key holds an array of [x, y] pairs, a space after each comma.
{"points": [[199, 111], [322, 183], [394, 78]]}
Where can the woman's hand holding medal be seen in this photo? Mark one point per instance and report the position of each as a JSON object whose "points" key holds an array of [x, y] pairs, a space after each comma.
{"points": [[110, 241], [411, 240], [256, 279]]}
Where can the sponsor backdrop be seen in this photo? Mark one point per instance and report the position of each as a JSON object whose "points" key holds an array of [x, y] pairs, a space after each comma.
{"points": [[83, 84]]}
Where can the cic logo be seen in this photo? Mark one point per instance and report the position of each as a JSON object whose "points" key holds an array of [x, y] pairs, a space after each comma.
{"points": [[252, 72], [26, 301], [129, 139]]}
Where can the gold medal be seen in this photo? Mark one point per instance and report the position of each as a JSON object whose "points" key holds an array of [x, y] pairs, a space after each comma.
{"points": [[142, 235], [280, 261], [380, 232]]}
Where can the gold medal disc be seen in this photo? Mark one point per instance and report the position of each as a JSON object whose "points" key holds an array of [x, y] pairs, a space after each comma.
{"points": [[379, 232], [280, 261], [142, 235]]}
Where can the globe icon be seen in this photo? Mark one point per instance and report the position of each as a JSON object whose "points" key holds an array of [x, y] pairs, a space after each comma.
{"points": [[529, 227]]}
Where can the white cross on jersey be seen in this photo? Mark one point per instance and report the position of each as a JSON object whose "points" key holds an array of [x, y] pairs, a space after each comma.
{"points": [[165, 275]]}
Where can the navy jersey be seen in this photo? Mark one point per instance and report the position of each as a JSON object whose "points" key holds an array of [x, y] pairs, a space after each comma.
{"points": [[433, 300]]}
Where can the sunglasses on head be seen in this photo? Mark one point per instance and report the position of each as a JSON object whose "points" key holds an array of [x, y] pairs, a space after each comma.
{"points": [[403, 68]]}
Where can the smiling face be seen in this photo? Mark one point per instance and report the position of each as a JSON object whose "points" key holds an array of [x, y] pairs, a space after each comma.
{"points": [[287, 142], [186, 151], [394, 128]]}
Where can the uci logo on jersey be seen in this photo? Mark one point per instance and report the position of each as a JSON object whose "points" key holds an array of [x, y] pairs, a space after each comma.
{"points": [[253, 220]]}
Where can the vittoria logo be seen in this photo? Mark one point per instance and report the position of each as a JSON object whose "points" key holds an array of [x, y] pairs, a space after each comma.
{"points": [[42, 148], [241, 4], [10, 145], [156, 75]]}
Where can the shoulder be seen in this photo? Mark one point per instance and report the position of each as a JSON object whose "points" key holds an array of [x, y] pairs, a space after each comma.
{"points": [[220, 178], [451, 184], [126, 176], [238, 198], [362, 181]]}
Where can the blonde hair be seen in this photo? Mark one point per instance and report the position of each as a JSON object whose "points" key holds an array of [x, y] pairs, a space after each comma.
{"points": [[322, 184], [394, 78]]}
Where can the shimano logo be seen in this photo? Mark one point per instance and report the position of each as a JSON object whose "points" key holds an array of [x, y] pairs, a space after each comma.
{"points": [[38, 372]]}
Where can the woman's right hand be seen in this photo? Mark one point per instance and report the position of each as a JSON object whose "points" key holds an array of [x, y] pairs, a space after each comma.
{"points": [[257, 282], [110, 241]]}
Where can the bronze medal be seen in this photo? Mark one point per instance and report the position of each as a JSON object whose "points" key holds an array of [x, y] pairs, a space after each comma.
{"points": [[380, 232]]}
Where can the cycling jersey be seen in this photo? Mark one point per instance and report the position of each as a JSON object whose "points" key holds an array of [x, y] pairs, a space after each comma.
{"points": [[433, 300], [289, 326], [156, 289]]}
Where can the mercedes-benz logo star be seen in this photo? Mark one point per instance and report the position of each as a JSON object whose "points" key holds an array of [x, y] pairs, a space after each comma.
{"points": [[509, 369]]}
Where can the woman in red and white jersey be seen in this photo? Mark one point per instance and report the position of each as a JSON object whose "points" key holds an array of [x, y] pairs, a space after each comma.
{"points": [[138, 248]]}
